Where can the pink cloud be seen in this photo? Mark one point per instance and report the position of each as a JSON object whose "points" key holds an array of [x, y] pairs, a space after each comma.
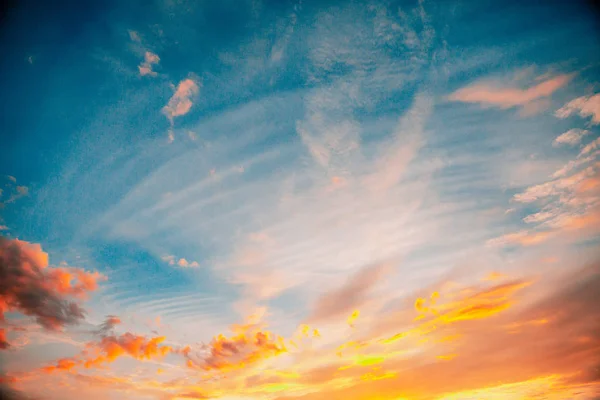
{"points": [[145, 67], [181, 101], [530, 99], [570, 137]]}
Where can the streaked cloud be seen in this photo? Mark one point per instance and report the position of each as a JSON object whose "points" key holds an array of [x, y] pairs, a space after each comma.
{"points": [[496, 94], [110, 348], [584, 106], [571, 137]]}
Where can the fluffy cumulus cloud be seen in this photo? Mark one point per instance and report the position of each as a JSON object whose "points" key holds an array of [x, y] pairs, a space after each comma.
{"points": [[584, 106], [493, 94], [248, 345], [28, 285]]}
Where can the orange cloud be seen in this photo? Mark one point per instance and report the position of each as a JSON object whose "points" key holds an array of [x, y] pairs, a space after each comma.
{"points": [[521, 238], [135, 346], [111, 348], [29, 286], [502, 97], [249, 345], [64, 364]]}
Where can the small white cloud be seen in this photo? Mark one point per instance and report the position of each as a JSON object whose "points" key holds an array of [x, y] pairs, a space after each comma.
{"points": [[570, 137], [182, 262]]}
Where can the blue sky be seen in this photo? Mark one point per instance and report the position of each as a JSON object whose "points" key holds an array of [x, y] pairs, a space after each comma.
{"points": [[292, 162]]}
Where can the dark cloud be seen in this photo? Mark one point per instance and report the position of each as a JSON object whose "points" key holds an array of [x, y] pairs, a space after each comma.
{"points": [[29, 286], [106, 328]]}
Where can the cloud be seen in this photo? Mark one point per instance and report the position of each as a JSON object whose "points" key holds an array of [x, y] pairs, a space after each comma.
{"points": [[181, 101], [29, 286], [110, 348], [145, 67], [590, 147], [522, 238], [3, 342], [571, 137], [108, 325], [16, 191], [351, 295], [138, 347], [134, 36], [63, 364], [497, 95], [249, 345], [584, 106], [182, 262]]}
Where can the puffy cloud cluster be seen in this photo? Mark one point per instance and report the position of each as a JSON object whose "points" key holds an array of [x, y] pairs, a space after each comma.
{"points": [[29, 286], [182, 262], [111, 348], [138, 347], [248, 345]]}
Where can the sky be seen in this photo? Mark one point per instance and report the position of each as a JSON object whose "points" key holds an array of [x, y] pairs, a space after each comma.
{"points": [[300, 200]]}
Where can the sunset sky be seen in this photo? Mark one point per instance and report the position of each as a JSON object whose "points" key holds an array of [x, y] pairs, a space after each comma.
{"points": [[300, 200]]}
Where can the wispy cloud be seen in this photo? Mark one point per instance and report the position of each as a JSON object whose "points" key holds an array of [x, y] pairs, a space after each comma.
{"points": [[571, 137], [498, 94], [150, 60], [351, 295]]}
